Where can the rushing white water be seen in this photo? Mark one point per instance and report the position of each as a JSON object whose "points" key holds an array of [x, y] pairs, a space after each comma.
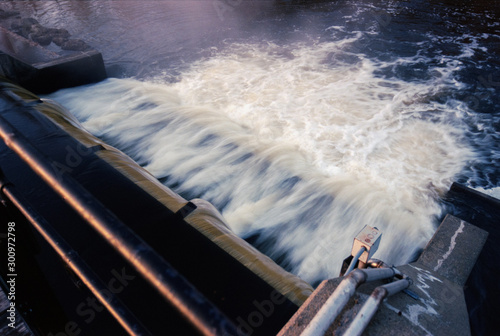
{"points": [[299, 147]]}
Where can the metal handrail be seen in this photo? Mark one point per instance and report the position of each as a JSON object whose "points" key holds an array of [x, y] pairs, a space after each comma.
{"points": [[203, 314], [364, 316], [121, 313], [339, 298]]}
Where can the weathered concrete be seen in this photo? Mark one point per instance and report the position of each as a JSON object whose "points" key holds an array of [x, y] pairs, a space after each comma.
{"points": [[453, 250], [438, 277], [43, 71], [482, 290]]}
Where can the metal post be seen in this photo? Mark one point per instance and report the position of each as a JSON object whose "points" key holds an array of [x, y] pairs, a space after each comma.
{"points": [[355, 260], [339, 298], [206, 317], [360, 322]]}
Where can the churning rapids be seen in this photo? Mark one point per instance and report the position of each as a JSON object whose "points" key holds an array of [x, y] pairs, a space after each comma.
{"points": [[302, 124], [290, 148]]}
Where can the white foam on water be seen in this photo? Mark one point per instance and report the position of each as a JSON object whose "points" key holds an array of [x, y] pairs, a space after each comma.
{"points": [[302, 145], [493, 192]]}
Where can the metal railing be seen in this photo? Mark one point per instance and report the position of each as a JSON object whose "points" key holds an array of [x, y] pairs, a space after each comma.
{"points": [[200, 312], [364, 316], [71, 258], [339, 298]]}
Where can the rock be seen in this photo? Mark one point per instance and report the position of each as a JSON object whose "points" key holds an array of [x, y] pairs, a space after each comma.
{"points": [[40, 34], [18, 28], [58, 32], [45, 36], [30, 28], [26, 25], [37, 29], [42, 39], [73, 44], [29, 22], [59, 40]]}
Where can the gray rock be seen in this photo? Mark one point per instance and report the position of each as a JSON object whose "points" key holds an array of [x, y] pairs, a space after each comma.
{"points": [[59, 40], [74, 44], [37, 29], [17, 27], [27, 26], [29, 22], [42, 39], [58, 32]]}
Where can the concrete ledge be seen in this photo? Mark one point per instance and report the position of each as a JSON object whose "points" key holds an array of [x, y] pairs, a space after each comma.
{"points": [[438, 277], [42, 71], [454, 249]]}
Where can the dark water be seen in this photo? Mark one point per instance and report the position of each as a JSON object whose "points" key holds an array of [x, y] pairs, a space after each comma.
{"points": [[303, 122]]}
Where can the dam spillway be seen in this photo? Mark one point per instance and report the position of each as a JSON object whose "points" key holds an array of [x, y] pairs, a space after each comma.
{"points": [[422, 93]]}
